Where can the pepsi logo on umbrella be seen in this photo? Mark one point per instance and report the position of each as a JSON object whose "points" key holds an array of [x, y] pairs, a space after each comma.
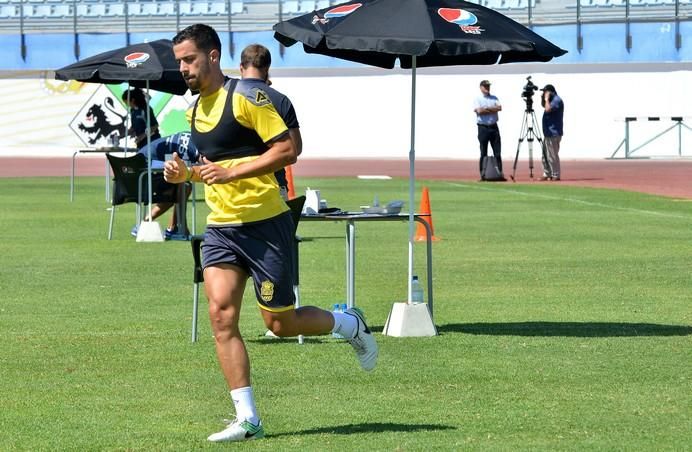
{"points": [[461, 17], [334, 13], [135, 59]]}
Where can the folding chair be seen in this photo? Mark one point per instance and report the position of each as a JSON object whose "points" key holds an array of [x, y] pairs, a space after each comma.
{"points": [[130, 184], [296, 206]]}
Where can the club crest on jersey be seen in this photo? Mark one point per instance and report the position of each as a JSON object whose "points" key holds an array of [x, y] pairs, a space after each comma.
{"points": [[335, 13], [135, 59], [267, 291], [465, 19]]}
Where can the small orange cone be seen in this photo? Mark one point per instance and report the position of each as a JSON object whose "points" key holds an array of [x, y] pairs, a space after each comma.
{"points": [[289, 179], [421, 236]]}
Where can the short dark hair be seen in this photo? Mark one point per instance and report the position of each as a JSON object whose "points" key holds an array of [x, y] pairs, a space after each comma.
{"points": [[137, 96], [256, 55], [204, 37]]}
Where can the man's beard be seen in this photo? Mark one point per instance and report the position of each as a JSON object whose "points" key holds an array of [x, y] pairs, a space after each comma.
{"points": [[193, 83]]}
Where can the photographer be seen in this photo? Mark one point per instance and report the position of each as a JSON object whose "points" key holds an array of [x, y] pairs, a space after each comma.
{"points": [[553, 113], [486, 107]]}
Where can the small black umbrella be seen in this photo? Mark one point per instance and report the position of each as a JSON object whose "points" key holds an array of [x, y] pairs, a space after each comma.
{"points": [[148, 64], [419, 33], [145, 65]]}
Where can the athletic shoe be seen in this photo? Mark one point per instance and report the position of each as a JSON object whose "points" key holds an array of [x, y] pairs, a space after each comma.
{"points": [[238, 431], [133, 231], [168, 233], [363, 342]]}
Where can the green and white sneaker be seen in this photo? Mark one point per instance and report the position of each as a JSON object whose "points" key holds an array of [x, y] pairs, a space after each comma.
{"points": [[363, 342], [238, 431]]}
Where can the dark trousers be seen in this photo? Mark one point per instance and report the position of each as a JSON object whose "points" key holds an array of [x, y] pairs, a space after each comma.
{"points": [[489, 134]]}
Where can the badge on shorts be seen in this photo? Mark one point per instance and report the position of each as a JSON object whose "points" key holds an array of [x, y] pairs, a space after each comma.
{"points": [[267, 291]]}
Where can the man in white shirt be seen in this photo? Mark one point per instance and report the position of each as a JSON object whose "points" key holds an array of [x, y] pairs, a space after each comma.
{"points": [[486, 107]]}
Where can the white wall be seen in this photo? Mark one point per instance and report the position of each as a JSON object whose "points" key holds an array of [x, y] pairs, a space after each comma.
{"points": [[367, 114]]}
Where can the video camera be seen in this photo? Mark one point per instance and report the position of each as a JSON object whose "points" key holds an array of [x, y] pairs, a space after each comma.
{"points": [[527, 93]]}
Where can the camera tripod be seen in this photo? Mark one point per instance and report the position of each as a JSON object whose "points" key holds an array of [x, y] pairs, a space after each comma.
{"points": [[530, 130]]}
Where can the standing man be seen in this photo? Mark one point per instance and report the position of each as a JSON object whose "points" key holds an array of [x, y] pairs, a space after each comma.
{"points": [[243, 141], [554, 110], [254, 69], [486, 107]]}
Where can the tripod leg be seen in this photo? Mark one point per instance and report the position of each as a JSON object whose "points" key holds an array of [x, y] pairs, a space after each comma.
{"points": [[522, 135], [530, 140], [516, 158]]}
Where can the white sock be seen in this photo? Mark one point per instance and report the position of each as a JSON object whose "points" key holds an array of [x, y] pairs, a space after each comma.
{"points": [[345, 325], [244, 402]]}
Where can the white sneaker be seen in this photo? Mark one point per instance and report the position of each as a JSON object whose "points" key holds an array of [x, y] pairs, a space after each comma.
{"points": [[363, 342], [238, 431]]}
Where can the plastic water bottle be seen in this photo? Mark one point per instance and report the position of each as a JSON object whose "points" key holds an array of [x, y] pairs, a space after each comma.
{"points": [[417, 295], [338, 308]]}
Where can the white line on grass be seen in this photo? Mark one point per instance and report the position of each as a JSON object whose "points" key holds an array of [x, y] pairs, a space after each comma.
{"points": [[574, 200]]}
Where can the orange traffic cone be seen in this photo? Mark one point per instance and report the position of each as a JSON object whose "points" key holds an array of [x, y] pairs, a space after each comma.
{"points": [[421, 236], [289, 179]]}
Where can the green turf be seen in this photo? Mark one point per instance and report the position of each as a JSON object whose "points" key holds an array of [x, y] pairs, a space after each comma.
{"points": [[564, 317]]}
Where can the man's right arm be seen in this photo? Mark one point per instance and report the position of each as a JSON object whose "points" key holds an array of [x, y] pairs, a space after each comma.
{"points": [[297, 140]]}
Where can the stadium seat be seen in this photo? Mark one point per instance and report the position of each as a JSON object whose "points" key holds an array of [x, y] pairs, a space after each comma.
{"points": [[306, 6], [62, 11], [237, 7], [217, 8], [185, 8], [98, 9], [134, 9], [43, 10], [82, 10], [115, 9], [290, 7], [7, 11], [149, 9], [200, 8], [495, 4], [166, 8]]}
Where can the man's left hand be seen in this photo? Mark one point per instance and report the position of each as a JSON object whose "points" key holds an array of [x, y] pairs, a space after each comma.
{"points": [[211, 173]]}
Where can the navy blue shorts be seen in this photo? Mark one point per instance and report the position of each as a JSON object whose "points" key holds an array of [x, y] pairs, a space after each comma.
{"points": [[265, 250]]}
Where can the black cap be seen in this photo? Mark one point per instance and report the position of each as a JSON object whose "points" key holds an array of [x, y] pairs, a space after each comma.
{"points": [[548, 88], [484, 83]]}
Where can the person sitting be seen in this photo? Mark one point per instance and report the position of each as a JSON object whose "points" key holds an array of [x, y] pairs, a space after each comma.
{"points": [[160, 150], [140, 124]]}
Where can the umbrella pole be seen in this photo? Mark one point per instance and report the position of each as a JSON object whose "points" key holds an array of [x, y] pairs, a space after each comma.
{"points": [[410, 319], [149, 231], [149, 151], [412, 177]]}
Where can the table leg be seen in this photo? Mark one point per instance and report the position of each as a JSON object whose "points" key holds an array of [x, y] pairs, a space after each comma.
{"points": [[428, 233], [350, 263], [108, 185], [181, 207], [72, 177]]}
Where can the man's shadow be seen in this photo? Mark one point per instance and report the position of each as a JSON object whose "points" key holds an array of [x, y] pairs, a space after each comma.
{"points": [[369, 427], [567, 329]]}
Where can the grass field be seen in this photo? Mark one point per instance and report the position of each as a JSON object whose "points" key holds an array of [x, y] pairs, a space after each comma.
{"points": [[564, 317]]}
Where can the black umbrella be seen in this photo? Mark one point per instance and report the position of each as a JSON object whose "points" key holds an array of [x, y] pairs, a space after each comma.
{"points": [[148, 64], [419, 33], [436, 32], [145, 65]]}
